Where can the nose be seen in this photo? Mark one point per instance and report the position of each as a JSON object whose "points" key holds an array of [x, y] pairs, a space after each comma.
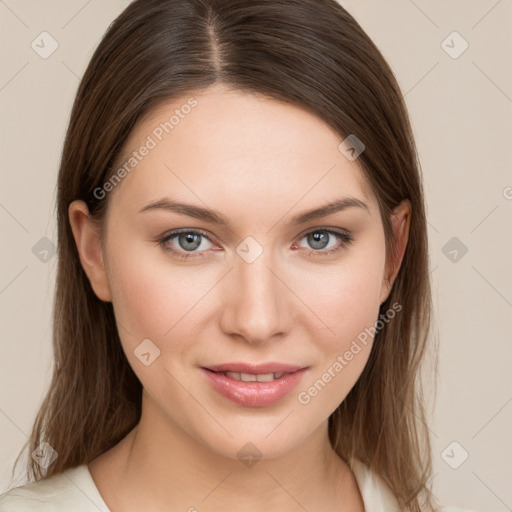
{"points": [[256, 304]]}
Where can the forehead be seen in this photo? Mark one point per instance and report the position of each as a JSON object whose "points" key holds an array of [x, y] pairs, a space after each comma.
{"points": [[245, 148]]}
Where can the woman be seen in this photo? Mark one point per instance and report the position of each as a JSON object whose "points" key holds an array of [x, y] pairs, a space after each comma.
{"points": [[243, 298]]}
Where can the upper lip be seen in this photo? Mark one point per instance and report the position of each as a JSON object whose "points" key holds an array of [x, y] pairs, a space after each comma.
{"points": [[255, 369]]}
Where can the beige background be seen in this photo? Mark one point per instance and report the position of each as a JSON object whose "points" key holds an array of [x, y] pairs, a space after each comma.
{"points": [[461, 110]]}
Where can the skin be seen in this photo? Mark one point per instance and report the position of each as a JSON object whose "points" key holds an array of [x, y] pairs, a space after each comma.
{"points": [[258, 162]]}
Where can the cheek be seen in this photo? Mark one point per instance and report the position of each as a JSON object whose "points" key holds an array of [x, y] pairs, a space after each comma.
{"points": [[347, 296], [348, 302], [152, 297]]}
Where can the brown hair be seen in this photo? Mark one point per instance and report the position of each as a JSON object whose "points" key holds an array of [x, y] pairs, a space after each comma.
{"points": [[306, 52]]}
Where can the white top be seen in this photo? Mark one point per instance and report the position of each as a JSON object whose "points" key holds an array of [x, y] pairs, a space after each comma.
{"points": [[74, 490]]}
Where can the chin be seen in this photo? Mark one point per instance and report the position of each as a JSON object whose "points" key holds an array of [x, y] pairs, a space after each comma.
{"points": [[264, 439], [249, 449]]}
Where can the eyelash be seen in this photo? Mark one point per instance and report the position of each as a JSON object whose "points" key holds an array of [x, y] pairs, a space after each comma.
{"points": [[342, 236]]}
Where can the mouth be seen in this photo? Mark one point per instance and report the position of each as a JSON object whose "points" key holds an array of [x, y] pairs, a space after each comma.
{"points": [[254, 385], [251, 377]]}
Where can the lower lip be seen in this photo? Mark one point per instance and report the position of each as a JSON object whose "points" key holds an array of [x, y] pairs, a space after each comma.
{"points": [[254, 394]]}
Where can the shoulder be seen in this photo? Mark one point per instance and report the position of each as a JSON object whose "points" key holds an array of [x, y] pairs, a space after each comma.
{"points": [[377, 495], [449, 508], [72, 489]]}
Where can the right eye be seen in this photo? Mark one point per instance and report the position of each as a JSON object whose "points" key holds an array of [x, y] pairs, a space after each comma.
{"points": [[187, 241]]}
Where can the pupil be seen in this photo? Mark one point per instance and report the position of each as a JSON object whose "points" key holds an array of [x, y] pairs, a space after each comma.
{"points": [[189, 239], [319, 239]]}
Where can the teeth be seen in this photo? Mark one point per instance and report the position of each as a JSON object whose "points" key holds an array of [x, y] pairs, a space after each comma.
{"points": [[249, 377], [267, 377]]}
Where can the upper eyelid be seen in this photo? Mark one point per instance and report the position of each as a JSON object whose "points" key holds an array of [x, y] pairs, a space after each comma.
{"points": [[176, 232], [325, 228]]}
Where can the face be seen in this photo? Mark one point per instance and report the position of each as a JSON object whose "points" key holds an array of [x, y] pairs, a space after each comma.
{"points": [[237, 273]]}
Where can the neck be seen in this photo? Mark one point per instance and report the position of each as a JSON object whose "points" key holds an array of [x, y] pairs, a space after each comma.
{"points": [[159, 466]]}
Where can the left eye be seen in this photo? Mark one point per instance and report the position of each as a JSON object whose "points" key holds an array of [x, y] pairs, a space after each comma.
{"points": [[320, 241]]}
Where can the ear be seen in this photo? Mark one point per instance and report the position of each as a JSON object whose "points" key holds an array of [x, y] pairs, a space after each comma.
{"points": [[89, 246], [400, 222]]}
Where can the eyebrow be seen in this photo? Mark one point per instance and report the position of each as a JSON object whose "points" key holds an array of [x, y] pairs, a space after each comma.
{"points": [[207, 215]]}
